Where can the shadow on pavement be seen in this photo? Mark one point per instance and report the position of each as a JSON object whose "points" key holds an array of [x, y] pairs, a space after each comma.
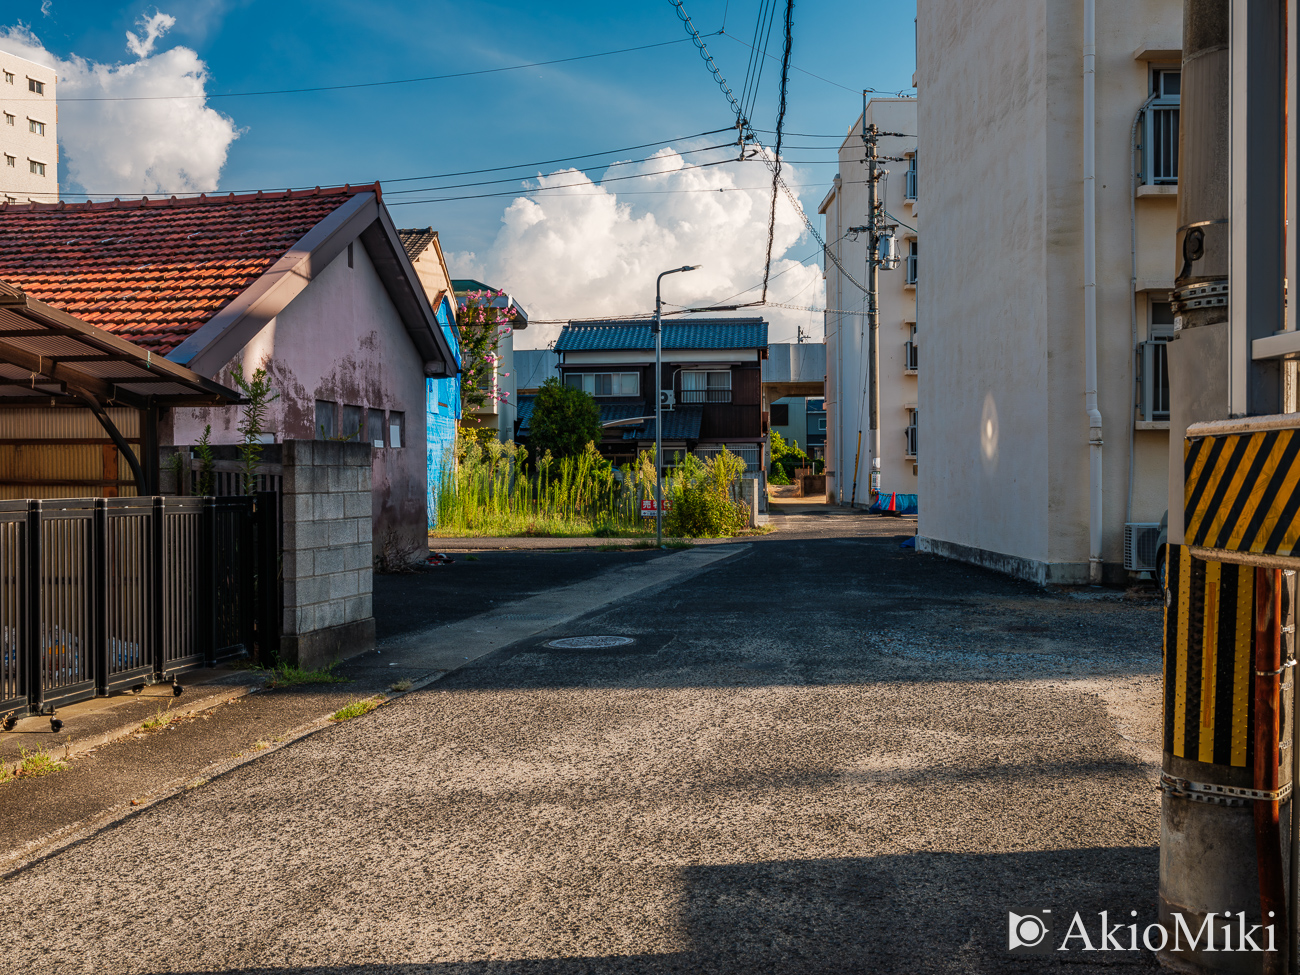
{"points": [[917, 912]]}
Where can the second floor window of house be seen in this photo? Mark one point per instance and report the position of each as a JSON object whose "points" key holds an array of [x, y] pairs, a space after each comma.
{"points": [[35, 126], [911, 262], [706, 387], [38, 87], [605, 383], [909, 186], [36, 167], [1160, 129]]}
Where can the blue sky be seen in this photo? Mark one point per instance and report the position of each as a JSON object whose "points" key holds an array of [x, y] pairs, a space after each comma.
{"points": [[491, 120]]}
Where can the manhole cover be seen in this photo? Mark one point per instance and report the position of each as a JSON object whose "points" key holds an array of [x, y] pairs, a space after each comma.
{"points": [[590, 642]]}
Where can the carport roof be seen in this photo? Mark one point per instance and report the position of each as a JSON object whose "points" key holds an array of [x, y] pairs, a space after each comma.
{"points": [[47, 355]]}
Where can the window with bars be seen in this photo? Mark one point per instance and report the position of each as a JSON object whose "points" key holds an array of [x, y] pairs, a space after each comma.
{"points": [[1160, 129], [910, 359], [605, 383], [909, 185], [1154, 361], [327, 423], [911, 262], [910, 433], [706, 387]]}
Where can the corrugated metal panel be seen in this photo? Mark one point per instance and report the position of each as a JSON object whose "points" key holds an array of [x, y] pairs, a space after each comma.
{"points": [[58, 424]]}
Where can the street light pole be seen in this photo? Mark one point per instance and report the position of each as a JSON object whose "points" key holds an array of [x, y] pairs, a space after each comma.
{"points": [[658, 380]]}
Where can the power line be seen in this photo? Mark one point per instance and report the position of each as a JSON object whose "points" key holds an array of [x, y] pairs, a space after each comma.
{"points": [[466, 172], [828, 81], [367, 84], [612, 179], [780, 121]]}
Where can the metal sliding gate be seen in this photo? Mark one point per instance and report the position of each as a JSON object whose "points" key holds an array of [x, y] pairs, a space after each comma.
{"points": [[101, 594]]}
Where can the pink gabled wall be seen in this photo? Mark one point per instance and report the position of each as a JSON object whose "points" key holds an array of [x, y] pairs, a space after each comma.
{"points": [[340, 339]]}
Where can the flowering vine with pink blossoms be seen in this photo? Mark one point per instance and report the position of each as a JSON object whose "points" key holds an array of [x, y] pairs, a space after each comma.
{"points": [[481, 326]]}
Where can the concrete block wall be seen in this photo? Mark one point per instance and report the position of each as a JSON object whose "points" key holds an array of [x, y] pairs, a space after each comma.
{"points": [[327, 552]]}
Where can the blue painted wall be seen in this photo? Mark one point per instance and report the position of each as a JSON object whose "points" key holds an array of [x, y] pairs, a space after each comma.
{"points": [[442, 410]]}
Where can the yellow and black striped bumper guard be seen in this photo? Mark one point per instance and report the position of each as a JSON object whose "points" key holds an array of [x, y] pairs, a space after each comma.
{"points": [[1209, 660], [1240, 492]]}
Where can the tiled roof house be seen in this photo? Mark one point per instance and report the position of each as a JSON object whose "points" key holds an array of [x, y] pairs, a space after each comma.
{"points": [[711, 367], [314, 286]]}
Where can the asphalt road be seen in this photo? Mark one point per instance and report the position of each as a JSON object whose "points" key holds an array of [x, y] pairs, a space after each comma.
{"points": [[823, 754]]}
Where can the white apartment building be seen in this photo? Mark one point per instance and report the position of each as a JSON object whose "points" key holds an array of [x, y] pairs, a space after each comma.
{"points": [[847, 338], [1004, 470], [29, 121]]}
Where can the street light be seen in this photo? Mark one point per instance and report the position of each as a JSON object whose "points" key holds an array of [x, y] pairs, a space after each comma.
{"points": [[659, 425]]}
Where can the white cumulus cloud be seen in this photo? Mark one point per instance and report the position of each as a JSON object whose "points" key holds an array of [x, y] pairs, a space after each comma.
{"points": [[153, 27], [125, 146], [584, 250]]}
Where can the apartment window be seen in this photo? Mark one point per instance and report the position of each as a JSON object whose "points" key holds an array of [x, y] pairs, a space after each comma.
{"points": [[1160, 128], [706, 387], [375, 427], [911, 262], [909, 351], [605, 383], [10, 119], [36, 167], [780, 415], [909, 186], [910, 433], [35, 126], [350, 424], [9, 77], [11, 161], [327, 427], [1154, 361], [396, 429], [38, 87]]}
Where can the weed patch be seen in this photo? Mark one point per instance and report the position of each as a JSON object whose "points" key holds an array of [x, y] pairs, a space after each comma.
{"points": [[355, 709], [161, 719], [401, 685], [32, 765], [285, 675]]}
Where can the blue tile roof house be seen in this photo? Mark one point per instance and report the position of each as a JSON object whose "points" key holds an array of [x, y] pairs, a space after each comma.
{"points": [[711, 366]]}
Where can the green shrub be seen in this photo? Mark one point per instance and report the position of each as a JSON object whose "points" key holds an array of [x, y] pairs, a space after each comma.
{"points": [[701, 496], [564, 421], [779, 475]]}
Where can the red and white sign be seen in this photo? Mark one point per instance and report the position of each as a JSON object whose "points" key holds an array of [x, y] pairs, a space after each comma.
{"points": [[648, 507]]}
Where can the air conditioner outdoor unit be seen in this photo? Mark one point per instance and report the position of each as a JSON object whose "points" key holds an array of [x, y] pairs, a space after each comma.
{"points": [[1140, 539]]}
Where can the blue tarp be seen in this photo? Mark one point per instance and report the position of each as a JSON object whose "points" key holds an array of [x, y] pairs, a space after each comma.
{"points": [[893, 503]]}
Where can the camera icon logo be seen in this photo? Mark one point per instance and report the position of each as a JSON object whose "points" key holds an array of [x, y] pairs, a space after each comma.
{"points": [[1029, 934]]}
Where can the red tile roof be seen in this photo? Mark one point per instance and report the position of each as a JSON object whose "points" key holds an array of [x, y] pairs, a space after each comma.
{"points": [[153, 271]]}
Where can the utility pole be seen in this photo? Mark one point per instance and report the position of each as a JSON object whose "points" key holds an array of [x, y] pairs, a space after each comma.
{"points": [[881, 253], [657, 328]]}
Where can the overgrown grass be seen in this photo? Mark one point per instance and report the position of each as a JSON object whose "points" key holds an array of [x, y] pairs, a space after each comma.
{"points": [[287, 675], [401, 685], [494, 490], [32, 765], [356, 709]]}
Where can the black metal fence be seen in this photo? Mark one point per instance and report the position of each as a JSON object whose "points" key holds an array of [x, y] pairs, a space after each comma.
{"points": [[99, 594]]}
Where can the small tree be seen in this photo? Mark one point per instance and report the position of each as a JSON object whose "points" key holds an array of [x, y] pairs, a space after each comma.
{"points": [[564, 421], [481, 326], [257, 393]]}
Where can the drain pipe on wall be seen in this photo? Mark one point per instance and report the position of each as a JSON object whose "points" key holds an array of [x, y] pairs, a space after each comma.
{"points": [[1090, 287]]}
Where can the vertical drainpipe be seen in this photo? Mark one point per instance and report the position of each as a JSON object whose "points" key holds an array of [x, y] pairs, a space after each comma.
{"points": [[1090, 286]]}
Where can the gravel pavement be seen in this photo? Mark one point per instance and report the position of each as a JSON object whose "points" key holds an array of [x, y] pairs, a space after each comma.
{"points": [[822, 754]]}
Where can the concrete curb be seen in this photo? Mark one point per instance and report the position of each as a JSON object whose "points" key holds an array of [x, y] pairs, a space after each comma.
{"points": [[194, 706]]}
